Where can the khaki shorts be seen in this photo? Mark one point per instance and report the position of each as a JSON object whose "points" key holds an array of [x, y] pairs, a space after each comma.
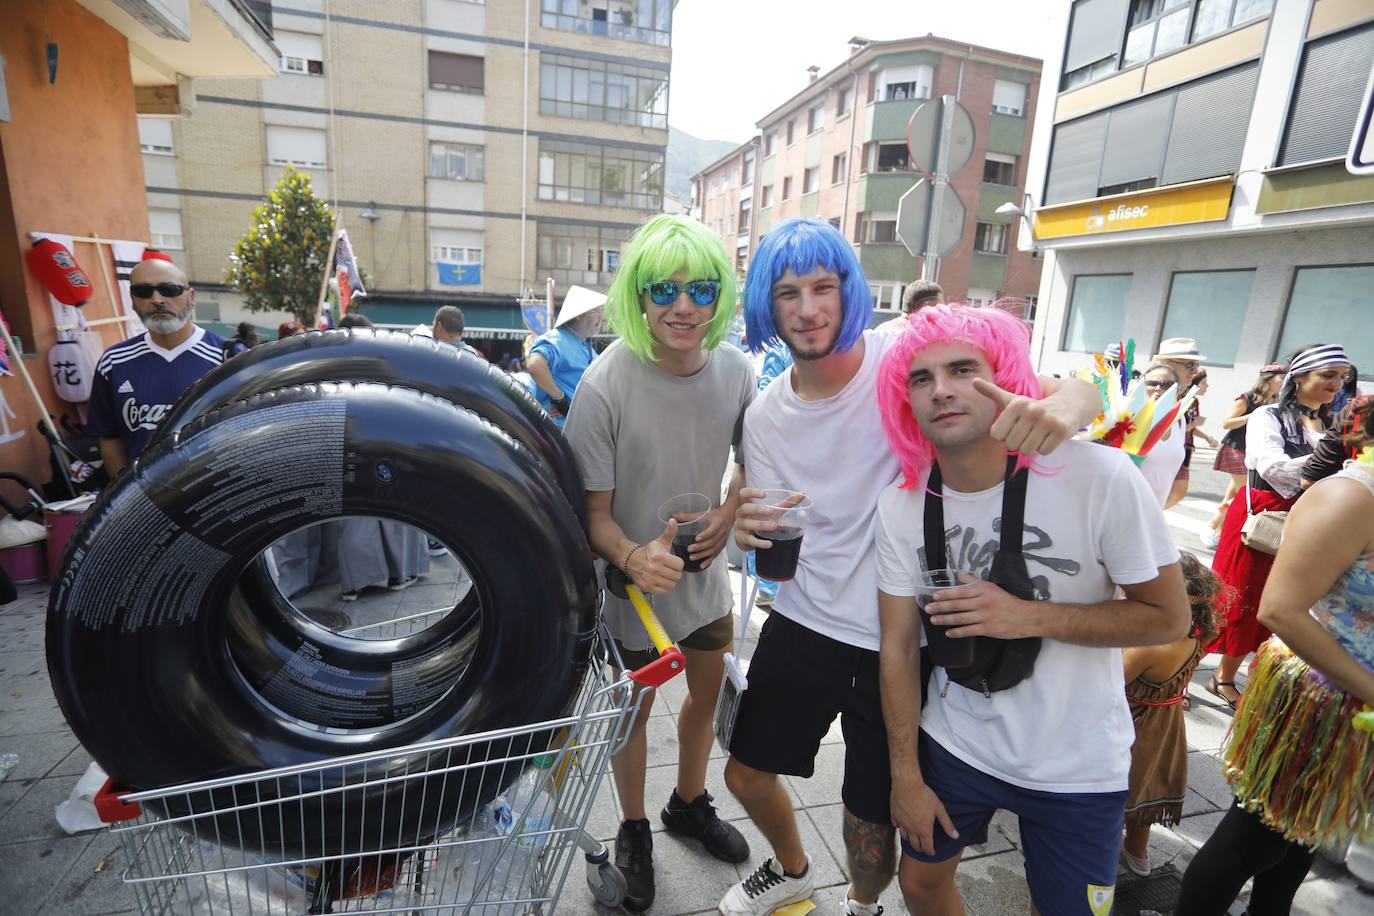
{"points": [[713, 637]]}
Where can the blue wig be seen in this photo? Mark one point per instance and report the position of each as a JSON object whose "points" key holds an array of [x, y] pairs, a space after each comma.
{"points": [[805, 244]]}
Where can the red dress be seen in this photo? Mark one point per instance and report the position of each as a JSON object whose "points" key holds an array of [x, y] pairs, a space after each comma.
{"points": [[1245, 571]]}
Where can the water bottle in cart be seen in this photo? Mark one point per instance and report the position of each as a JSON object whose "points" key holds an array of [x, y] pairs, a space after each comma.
{"points": [[529, 816]]}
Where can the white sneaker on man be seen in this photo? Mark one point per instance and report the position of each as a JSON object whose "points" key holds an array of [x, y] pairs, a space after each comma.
{"points": [[769, 888]]}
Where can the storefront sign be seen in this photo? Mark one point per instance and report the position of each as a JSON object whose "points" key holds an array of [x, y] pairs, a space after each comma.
{"points": [[1195, 202]]}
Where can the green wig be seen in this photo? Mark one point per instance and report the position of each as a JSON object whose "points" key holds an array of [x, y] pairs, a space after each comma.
{"points": [[658, 249]]}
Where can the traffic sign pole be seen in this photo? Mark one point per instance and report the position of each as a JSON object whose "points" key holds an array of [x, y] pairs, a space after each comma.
{"points": [[930, 266]]}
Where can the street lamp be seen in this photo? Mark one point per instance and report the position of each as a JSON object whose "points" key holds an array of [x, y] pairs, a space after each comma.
{"points": [[371, 215], [1023, 210]]}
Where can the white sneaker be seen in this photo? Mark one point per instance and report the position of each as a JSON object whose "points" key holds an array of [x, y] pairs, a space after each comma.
{"points": [[766, 890], [1210, 539]]}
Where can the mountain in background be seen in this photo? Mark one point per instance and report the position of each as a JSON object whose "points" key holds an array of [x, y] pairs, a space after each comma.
{"points": [[688, 155]]}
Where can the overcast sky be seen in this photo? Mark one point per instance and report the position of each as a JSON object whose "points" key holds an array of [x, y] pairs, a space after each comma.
{"points": [[736, 60]]}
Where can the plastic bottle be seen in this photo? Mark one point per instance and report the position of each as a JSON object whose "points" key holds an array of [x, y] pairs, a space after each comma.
{"points": [[530, 811]]}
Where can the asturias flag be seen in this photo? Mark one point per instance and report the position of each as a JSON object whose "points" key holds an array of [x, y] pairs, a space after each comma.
{"points": [[452, 273]]}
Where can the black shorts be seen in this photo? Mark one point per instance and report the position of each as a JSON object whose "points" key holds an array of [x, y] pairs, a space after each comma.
{"points": [[713, 637], [799, 681]]}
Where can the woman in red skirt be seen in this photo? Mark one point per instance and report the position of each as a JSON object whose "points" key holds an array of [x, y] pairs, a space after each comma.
{"points": [[1278, 439]]}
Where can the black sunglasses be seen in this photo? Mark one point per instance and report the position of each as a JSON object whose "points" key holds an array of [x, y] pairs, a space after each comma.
{"points": [[145, 290]]}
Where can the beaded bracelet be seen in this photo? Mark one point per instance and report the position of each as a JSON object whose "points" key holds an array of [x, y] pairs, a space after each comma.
{"points": [[625, 567]]}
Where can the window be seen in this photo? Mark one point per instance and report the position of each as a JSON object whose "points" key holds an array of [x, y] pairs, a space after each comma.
{"points": [[456, 161], [1209, 306], [456, 72], [461, 254], [1094, 40], [990, 238], [791, 131], [734, 176], [155, 136], [164, 228], [844, 102], [588, 173], [838, 167], [787, 188], [906, 82], [303, 147], [892, 157], [815, 118], [810, 180], [747, 170], [1327, 99], [300, 52], [744, 218], [877, 228], [731, 228], [576, 253], [645, 21], [1009, 98], [980, 296], [999, 169], [1326, 303], [1097, 312], [592, 90], [770, 143], [766, 197], [1215, 16], [1155, 27]]}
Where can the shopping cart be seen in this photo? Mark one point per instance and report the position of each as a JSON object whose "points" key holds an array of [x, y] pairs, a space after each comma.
{"points": [[184, 863]]}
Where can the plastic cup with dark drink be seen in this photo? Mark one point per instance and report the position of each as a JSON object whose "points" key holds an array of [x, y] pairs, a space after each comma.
{"points": [[692, 512], [945, 651], [790, 510]]}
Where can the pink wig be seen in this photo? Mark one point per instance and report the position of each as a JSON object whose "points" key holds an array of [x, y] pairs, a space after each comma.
{"points": [[1004, 341]]}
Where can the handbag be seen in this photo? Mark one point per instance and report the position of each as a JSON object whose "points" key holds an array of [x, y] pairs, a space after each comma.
{"points": [[999, 664], [1262, 531]]}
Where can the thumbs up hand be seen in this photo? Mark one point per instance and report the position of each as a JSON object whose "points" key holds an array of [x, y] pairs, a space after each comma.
{"points": [[654, 567], [1024, 424]]}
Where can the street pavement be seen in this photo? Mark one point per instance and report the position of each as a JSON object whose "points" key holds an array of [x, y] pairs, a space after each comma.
{"points": [[45, 871]]}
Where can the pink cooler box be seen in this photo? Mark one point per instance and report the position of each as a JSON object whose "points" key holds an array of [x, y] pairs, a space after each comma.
{"points": [[25, 563]]}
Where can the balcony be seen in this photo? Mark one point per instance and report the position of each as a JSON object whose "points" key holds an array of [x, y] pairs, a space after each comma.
{"points": [[881, 191], [888, 120], [887, 262], [617, 22]]}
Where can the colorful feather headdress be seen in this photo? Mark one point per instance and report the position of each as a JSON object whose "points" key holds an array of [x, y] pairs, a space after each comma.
{"points": [[1130, 419]]}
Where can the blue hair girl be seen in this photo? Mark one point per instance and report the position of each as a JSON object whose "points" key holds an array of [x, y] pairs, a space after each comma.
{"points": [[804, 245]]}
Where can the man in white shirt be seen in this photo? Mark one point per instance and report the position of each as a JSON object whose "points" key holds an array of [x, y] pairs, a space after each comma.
{"points": [[817, 430], [1051, 743]]}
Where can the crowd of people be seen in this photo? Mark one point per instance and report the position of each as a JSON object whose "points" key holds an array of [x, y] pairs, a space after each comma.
{"points": [[1047, 676]]}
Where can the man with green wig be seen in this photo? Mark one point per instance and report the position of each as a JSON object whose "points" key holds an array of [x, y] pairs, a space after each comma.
{"points": [[656, 416]]}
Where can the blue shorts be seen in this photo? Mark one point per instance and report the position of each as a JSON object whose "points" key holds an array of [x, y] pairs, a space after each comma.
{"points": [[1071, 842]]}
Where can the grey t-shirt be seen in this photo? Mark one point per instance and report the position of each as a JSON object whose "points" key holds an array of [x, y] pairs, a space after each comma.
{"points": [[649, 435]]}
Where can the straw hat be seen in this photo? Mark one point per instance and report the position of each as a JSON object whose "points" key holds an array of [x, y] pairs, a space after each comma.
{"points": [[1181, 349], [578, 302]]}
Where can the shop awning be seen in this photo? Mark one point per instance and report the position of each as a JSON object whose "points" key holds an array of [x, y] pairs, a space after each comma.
{"points": [[498, 322]]}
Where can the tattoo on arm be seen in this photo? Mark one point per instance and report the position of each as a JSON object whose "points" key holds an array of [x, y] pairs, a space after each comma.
{"points": [[872, 854]]}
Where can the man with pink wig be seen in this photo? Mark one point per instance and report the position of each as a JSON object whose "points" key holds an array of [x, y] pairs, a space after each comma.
{"points": [[1034, 720], [816, 429]]}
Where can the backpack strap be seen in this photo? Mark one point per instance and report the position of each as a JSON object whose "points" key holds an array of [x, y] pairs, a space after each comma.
{"points": [[1013, 514]]}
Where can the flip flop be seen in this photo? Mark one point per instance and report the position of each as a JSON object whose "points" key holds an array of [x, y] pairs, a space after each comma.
{"points": [[1214, 687]]}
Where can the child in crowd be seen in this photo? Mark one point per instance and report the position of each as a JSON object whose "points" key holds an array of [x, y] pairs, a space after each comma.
{"points": [[1156, 687]]}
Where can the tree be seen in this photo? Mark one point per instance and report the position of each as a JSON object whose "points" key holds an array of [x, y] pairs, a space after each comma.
{"points": [[279, 262]]}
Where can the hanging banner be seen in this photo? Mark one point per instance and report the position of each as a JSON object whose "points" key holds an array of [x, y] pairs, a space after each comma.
{"points": [[536, 315], [452, 273]]}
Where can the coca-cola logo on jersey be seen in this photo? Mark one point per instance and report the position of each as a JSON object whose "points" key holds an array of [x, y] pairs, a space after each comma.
{"points": [[143, 416]]}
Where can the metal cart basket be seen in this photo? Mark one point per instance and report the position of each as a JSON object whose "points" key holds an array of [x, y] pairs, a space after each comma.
{"points": [[510, 858]]}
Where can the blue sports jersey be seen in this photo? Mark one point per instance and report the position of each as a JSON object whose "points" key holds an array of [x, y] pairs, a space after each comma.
{"points": [[136, 382]]}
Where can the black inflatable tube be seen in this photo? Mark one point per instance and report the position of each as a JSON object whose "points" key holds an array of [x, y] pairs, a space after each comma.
{"points": [[393, 358], [136, 628]]}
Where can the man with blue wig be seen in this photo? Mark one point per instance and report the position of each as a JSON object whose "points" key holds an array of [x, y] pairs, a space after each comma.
{"points": [[817, 430], [656, 416]]}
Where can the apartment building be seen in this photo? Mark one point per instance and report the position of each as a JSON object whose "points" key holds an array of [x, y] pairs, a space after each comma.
{"points": [[837, 149], [469, 152], [1190, 182]]}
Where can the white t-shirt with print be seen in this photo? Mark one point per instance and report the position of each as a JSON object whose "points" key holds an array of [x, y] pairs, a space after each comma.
{"points": [[1091, 524], [835, 451]]}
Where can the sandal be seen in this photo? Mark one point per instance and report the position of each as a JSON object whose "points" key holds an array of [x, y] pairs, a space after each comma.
{"points": [[1214, 687]]}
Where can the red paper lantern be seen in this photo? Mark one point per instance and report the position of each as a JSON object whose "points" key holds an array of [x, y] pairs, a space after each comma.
{"points": [[60, 274]]}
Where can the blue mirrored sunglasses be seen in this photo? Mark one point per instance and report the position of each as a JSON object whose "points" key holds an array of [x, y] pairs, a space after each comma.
{"points": [[703, 293]]}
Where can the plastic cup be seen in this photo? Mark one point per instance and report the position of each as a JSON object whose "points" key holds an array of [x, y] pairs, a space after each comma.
{"points": [[791, 509], [692, 511], [945, 651]]}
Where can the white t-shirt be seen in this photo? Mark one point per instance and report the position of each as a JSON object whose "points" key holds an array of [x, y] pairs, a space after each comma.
{"points": [[1090, 526], [1161, 464], [835, 451]]}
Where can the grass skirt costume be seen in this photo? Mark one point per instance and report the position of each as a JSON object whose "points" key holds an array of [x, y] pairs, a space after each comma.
{"points": [[1301, 750]]}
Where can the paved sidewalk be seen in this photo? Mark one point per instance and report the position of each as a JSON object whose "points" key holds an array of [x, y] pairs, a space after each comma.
{"points": [[44, 871]]}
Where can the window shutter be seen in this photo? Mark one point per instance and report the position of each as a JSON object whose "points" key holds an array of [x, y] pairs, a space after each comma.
{"points": [[1210, 121], [1327, 100], [1076, 159], [1095, 32], [456, 70], [1136, 134]]}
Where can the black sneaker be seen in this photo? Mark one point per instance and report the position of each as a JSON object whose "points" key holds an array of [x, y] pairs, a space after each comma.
{"points": [[699, 820], [634, 856]]}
